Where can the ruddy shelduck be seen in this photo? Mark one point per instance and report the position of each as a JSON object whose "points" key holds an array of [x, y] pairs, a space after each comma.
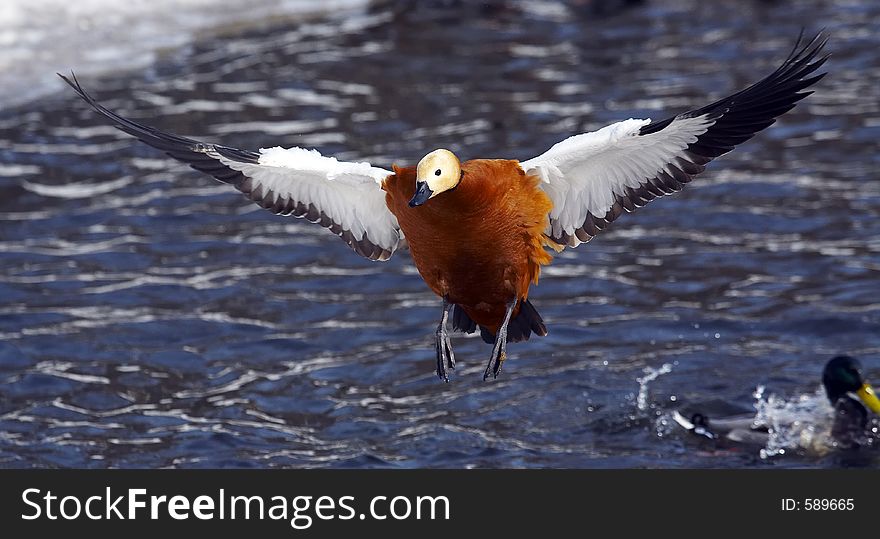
{"points": [[479, 231]]}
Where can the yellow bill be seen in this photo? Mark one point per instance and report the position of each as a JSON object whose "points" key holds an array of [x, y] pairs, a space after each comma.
{"points": [[866, 395]]}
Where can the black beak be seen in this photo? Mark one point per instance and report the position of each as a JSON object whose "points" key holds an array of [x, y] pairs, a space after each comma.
{"points": [[423, 193]]}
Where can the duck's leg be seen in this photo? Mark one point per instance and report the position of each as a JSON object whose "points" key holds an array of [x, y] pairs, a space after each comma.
{"points": [[499, 351], [445, 357]]}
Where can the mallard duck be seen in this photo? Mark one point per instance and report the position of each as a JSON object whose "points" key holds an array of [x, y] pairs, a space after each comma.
{"points": [[480, 230], [845, 388]]}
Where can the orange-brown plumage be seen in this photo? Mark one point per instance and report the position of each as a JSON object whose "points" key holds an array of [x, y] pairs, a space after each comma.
{"points": [[482, 243]]}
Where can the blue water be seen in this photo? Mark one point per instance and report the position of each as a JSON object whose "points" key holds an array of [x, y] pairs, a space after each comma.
{"points": [[152, 317]]}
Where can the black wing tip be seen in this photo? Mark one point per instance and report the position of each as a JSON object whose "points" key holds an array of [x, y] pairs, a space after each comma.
{"points": [[235, 154], [803, 60], [73, 82], [814, 46], [67, 80], [157, 138], [821, 38], [121, 123], [192, 152], [800, 62]]}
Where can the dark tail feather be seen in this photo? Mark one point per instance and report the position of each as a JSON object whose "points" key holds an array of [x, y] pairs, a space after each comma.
{"points": [[487, 336], [525, 323], [520, 328], [461, 321]]}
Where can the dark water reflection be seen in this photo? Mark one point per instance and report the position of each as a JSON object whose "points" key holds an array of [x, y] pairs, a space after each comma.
{"points": [[151, 317]]}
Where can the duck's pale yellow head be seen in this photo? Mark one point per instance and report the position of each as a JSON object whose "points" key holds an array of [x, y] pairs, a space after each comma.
{"points": [[437, 172]]}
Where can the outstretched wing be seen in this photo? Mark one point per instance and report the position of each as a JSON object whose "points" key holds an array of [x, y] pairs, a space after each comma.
{"points": [[593, 178], [346, 198]]}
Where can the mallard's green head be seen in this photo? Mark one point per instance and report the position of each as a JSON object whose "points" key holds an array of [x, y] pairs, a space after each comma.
{"points": [[843, 377]]}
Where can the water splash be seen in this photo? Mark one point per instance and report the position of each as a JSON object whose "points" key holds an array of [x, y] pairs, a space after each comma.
{"points": [[802, 423], [651, 374]]}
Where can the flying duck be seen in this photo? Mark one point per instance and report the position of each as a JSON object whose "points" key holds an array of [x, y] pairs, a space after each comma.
{"points": [[480, 230]]}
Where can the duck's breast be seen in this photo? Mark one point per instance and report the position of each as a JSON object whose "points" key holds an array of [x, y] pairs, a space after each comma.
{"points": [[482, 242]]}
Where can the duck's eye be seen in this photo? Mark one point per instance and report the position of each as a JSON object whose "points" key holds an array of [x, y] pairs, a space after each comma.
{"points": [[437, 172]]}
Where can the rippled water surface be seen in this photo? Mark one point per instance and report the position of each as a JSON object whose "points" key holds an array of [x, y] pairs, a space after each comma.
{"points": [[151, 316]]}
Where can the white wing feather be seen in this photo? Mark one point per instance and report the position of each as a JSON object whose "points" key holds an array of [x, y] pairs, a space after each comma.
{"points": [[590, 178], [585, 173], [349, 194], [346, 198], [594, 177]]}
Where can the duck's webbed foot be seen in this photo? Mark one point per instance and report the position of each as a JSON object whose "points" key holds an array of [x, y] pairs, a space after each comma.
{"points": [[445, 357], [499, 351]]}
